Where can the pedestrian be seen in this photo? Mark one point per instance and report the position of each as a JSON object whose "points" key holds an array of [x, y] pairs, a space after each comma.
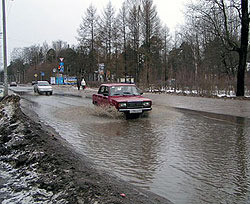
{"points": [[83, 84], [78, 83]]}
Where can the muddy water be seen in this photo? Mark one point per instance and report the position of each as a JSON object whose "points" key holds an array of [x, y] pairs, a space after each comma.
{"points": [[185, 156]]}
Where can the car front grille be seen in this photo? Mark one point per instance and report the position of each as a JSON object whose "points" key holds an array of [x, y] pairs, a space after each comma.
{"points": [[134, 105]]}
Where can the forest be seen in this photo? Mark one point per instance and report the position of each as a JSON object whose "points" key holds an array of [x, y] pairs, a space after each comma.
{"points": [[209, 53]]}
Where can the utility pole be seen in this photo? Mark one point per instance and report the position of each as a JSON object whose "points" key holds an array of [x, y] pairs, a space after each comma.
{"points": [[5, 93]]}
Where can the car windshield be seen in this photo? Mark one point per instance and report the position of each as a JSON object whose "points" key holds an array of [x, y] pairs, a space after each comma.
{"points": [[123, 90], [43, 83]]}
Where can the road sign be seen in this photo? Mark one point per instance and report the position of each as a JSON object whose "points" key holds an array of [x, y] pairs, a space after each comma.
{"points": [[42, 74], [54, 70], [59, 80], [35, 75], [61, 68], [61, 59], [61, 64]]}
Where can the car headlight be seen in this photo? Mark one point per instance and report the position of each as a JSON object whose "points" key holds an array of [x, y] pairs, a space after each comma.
{"points": [[146, 104], [122, 105]]}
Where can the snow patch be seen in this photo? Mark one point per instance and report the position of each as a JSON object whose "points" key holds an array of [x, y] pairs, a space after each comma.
{"points": [[8, 110], [20, 187], [219, 93]]}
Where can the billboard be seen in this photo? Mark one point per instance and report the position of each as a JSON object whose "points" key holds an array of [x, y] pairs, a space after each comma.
{"points": [[70, 80], [52, 80]]}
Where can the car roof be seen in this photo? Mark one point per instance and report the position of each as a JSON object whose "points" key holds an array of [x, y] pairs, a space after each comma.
{"points": [[117, 84], [42, 82]]}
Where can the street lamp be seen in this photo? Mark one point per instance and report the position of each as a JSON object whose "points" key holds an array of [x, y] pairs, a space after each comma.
{"points": [[5, 93]]}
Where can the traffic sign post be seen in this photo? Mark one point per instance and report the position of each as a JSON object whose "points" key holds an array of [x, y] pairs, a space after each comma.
{"points": [[61, 65], [35, 75], [60, 69], [42, 75]]}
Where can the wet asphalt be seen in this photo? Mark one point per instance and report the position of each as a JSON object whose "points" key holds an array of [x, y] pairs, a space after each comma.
{"points": [[188, 149]]}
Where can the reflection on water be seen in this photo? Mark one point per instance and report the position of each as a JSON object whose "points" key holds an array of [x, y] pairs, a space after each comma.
{"points": [[242, 153], [122, 147], [187, 157]]}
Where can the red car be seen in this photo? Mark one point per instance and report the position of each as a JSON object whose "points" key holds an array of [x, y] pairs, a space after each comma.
{"points": [[125, 97]]}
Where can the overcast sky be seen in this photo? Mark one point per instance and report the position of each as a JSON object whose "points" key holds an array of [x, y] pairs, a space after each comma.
{"points": [[32, 22]]}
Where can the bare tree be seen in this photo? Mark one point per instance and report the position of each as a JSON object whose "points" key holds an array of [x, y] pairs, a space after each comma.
{"points": [[58, 46], [88, 28], [150, 28], [45, 49], [31, 55], [17, 53], [229, 21], [87, 37], [134, 36], [166, 46], [123, 25], [243, 49], [117, 45], [106, 30]]}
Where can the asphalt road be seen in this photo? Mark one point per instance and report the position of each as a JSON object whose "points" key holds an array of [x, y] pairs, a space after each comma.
{"points": [[188, 149]]}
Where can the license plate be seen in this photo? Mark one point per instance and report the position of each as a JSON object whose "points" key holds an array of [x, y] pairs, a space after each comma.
{"points": [[135, 111]]}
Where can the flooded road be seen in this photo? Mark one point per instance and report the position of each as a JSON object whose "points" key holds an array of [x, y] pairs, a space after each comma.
{"points": [[184, 155]]}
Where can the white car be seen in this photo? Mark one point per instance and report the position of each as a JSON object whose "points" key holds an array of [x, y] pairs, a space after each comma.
{"points": [[43, 87]]}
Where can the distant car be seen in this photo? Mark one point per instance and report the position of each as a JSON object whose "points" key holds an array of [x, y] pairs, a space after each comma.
{"points": [[125, 98], [1, 83], [42, 87], [13, 83]]}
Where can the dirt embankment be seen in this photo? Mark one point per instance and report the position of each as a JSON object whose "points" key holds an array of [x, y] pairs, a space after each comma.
{"points": [[37, 166]]}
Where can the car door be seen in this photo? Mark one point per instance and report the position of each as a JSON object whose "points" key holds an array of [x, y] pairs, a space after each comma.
{"points": [[105, 96], [99, 95], [102, 96]]}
